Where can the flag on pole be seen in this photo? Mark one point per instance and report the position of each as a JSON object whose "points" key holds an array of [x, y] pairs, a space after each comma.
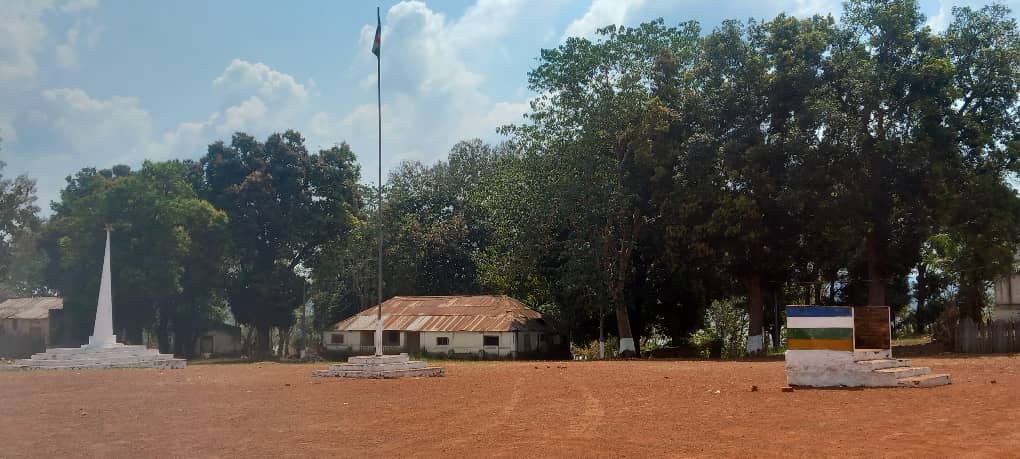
{"points": [[378, 35]]}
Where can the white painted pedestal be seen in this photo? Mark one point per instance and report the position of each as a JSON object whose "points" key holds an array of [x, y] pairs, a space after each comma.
{"points": [[380, 367]]}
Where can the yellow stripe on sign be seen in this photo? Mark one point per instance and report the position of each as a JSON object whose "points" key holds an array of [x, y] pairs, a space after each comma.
{"points": [[820, 344]]}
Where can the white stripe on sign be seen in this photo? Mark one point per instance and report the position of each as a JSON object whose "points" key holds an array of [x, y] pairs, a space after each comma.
{"points": [[820, 322]]}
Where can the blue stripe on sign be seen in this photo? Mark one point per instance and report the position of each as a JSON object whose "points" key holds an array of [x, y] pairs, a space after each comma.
{"points": [[818, 311]]}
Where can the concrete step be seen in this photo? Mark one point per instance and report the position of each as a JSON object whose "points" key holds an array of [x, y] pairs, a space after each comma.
{"points": [[117, 348], [905, 372], [412, 365], [871, 354], [928, 380], [110, 360], [377, 359], [160, 364], [97, 355], [388, 374], [878, 364], [106, 352]]}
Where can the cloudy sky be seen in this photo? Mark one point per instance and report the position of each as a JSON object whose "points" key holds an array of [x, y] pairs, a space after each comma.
{"points": [[94, 83]]}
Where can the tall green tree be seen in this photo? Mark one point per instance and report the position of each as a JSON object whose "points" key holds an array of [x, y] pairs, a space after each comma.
{"points": [[284, 205], [19, 227], [160, 227], [983, 214], [591, 122], [885, 78]]}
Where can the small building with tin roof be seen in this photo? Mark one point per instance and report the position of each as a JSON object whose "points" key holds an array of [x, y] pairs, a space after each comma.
{"points": [[25, 325], [485, 326]]}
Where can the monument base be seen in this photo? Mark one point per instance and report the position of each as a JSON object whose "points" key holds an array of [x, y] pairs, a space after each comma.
{"points": [[100, 355], [380, 367], [862, 368]]}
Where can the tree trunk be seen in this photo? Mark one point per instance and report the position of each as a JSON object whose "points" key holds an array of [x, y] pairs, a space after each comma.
{"points": [[627, 345], [163, 333], [755, 341], [246, 346], [921, 295], [778, 326], [973, 300], [184, 343], [263, 345], [876, 278]]}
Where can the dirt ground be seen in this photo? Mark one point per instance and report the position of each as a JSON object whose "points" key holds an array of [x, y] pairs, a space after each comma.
{"points": [[623, 408]]}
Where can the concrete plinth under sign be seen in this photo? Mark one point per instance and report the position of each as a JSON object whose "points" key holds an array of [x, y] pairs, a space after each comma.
{"points": [[864, 368], [380, 367]]}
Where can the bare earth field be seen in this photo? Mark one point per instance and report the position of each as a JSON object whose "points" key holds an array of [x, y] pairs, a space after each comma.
{"points": [[623, 408]]}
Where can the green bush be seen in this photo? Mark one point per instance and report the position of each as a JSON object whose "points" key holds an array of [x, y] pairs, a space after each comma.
{"points": [[725, 330], [590, 351]]}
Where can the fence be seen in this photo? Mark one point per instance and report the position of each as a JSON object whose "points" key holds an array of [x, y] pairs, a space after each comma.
{"points": [[999, 336]]}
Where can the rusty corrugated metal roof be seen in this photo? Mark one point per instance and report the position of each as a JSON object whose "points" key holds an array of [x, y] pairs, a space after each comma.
{"points": [[450, 313], [30, 308]]}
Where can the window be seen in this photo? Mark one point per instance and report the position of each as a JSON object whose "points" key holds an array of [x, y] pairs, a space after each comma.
{"points": [[14, 324], [541, 338], [442, 341], [336, 338], [489, 340], [391, 338]]}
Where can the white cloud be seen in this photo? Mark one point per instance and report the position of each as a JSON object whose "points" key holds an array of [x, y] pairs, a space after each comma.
{"points": [[242, 79], [433, 74], [941, 19], [83, 33], [249, 115], [600, 14], [74, 6], [115, 129], [804, 8], [22, 36]]}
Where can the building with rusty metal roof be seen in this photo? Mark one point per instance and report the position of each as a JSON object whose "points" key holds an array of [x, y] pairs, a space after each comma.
{"points": [[25, 325], [480, 325]]}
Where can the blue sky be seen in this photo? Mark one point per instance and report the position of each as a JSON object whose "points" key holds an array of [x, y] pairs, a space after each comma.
{"points": [[94, 83]]}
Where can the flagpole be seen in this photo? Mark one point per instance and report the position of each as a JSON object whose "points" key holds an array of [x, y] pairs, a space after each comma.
{"points": [[378, 93]]}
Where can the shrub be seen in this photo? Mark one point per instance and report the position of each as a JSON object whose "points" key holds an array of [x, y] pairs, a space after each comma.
{"points": [[590, 351], [725, 329]]}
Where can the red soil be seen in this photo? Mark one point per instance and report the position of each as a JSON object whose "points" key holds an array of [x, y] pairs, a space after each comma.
{"points": [[629, 408]]}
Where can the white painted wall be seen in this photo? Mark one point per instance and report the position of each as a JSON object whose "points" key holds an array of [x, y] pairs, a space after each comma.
{"points": [[458, 342], [468, 343], [352, 339]]}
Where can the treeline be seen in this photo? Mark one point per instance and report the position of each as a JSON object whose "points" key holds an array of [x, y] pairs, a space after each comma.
{"points": [[865, 161]]}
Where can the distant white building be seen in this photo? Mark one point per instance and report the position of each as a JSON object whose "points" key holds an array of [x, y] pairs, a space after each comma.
{"points": [[1007, 298], [485, 326], [26, 325]]}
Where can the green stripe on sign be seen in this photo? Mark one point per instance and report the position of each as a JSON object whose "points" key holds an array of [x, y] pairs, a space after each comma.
{"points": [[819, 333]]}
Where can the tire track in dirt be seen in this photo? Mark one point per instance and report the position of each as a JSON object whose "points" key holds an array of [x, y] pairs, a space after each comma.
{"points": [[586, 425], [501, 415]]}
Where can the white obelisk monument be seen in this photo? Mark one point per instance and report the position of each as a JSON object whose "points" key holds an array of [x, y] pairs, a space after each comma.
{"points": [[102, 334], [103, 350]]}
